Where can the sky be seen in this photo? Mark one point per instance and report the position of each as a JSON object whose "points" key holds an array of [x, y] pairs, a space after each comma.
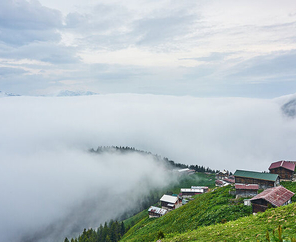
{"points": [[201, 48]]}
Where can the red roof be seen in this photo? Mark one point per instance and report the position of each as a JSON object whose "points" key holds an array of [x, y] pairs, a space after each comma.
{"points": [[285, 164], [229, 180], [246, 186], [277, 196]]}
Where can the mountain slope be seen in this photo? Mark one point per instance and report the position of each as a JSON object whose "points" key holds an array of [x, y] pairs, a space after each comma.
{"points": [[210, 208], [251, 228]]}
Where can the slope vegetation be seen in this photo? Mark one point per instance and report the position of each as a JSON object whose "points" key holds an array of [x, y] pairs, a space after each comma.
{"points": [[210, 208]]}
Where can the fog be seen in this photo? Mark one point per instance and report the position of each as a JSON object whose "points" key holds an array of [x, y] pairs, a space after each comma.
{"points": [[51, 186]]}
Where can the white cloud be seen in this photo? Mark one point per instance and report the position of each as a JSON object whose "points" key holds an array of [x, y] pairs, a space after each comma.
{"points": [[50, 179]]}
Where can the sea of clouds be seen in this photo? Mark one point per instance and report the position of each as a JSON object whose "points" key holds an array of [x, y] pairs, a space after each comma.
{"points": [[52, 187]]}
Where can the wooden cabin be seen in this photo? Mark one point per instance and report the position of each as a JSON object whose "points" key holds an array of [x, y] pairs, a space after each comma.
{"points": [[246, 190], [222, 174], [189, 192], [271, 197], [264, 180], [170, 202], [155, 212], [285, 169], [205, 189]]}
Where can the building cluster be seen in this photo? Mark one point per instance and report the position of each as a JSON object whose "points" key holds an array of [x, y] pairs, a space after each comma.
{"points": [[247, 184], [171, 202]]}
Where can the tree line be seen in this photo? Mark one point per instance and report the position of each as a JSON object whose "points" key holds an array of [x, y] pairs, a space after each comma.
{"points": [[166, 161], [109, 232]]}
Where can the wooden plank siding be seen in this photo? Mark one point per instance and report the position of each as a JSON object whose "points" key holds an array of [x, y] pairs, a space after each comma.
{"points": [[283, 173], [263, 184]]}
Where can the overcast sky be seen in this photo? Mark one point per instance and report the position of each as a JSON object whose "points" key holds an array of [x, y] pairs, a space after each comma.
{"points": [[201, 48]]}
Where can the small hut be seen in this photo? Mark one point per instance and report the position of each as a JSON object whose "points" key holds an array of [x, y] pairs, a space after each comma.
{"points": [[271, 197]]}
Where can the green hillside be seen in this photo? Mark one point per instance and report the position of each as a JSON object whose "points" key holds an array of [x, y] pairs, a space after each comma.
{"points": [[217, 216], [251, 228], [209, 208]]}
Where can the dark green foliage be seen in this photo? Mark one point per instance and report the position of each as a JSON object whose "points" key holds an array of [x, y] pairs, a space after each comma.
{"points": [[166, 161], [110, 232], [160, 235]]}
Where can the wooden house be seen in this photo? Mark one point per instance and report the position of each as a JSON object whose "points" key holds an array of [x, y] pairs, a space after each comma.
{"points": [[246, 190], [264, 180], [222, 174], [189, 192], [170, 202], [155, 212], [186, 171], [229, 181], [219, 183], [285, 169], [205, 189], [271, 197]]}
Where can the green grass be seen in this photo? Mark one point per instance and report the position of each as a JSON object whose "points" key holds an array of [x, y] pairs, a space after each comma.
{"points": [[210, 208], [251, 228], [197, 179], [204, 220]]}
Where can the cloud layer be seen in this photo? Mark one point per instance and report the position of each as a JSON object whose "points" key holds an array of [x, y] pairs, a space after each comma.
{"points": [[51, 183], [201, 48]]}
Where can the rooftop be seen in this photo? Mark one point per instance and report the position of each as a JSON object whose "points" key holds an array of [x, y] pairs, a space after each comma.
{"points": [[277, 196], [157, 210], [169, 199], [200, 190], [285, 164], [239, 186], [256, 175]]}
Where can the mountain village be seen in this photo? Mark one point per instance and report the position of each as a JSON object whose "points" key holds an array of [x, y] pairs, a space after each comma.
{"points": [[261, 190]]}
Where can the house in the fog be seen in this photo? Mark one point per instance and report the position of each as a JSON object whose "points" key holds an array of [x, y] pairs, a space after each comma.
{"points": [[246, 190], [204, 188], [222, 175], [264, 180], [155, 212], [285, 169], [189, 192], [170, 202], [271, 197]]}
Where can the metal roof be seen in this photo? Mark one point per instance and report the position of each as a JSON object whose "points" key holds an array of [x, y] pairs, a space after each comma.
{"points": [[228, 180], [285, 164], [169, 199], [199, 187], [239, 186], [192, 190], [256, 175], [277, 196], [157, 210]]}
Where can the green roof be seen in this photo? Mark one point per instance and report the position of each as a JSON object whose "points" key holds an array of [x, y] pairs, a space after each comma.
{"points": [[256, 175]]}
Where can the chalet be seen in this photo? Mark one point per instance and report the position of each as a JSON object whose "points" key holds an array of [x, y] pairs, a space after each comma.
{"points": [[229, 181], [205, 189], [155, 212], [285, 169], [189, 192], [222, 174], [220, 183], [271, 197], [264, 180], [170, 202], [246, 190], [186, 171]]}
